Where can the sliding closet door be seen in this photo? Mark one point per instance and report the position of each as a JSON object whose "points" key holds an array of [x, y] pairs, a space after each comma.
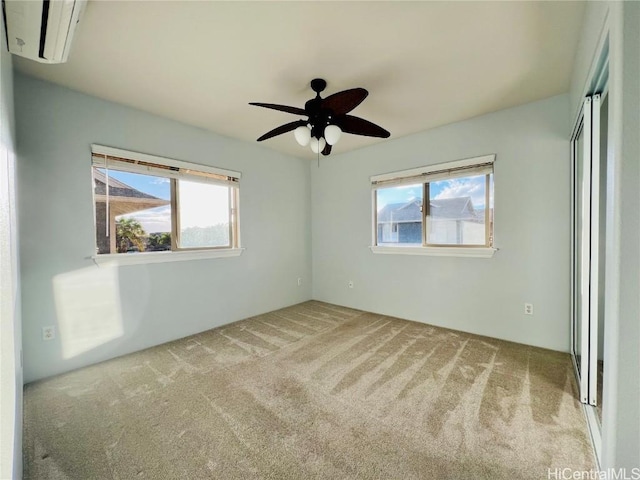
{"points": [[581, 150], [586, 292], [598, 360], [594, 257]]}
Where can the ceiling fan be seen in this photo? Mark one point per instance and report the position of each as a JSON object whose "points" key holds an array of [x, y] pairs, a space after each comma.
{"points": [[327, 119]]}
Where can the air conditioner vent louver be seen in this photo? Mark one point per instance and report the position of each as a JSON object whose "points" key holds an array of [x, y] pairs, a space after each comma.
{"points": [[41, 30]]}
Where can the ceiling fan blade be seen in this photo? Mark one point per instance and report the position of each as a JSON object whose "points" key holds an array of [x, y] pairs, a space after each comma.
{"points": [[360, 126], [282, 108], [326, 150], [343, 102], [287, 127]]}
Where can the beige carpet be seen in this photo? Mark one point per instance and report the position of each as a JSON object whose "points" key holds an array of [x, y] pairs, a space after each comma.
{"points": [[312, 391]]}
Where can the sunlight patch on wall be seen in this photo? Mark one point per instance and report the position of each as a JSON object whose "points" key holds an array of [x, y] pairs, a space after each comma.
{"points": [[88, 309]]}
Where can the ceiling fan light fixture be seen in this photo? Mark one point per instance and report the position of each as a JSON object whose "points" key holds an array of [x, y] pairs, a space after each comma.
{"points": [[317, 145], [332, 134], [303, 135]]}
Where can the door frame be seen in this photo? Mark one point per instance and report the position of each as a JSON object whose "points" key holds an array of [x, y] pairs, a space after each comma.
{"points": [[598, 83]]}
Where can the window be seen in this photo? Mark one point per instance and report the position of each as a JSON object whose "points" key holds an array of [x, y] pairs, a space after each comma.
{"points": [[399, 215], [446, 205], [150, 204]]}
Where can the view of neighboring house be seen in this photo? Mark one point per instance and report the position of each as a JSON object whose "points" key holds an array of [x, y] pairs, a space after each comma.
{"points": [[123, 199], [452, 221], [400, 222]]}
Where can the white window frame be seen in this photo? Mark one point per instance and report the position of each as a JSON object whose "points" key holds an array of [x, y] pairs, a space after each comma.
{"points": [[423, 176], [143, 163]]}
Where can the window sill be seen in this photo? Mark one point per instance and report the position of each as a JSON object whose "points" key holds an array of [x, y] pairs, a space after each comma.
{"points": [[478, 252], [162, 257]]}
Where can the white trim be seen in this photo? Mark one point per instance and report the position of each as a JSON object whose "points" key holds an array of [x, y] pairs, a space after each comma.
{"points": [[593, 424], [599, 52], [374, 217], [414, 172], [144, 157], [613, 251], [478, 252], [162, 257], [591, 419]]}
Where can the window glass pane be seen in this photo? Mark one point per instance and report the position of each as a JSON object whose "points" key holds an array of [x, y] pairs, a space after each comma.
{"points": [[399, 219], [138, 215], [203, 215], [457, 211]]}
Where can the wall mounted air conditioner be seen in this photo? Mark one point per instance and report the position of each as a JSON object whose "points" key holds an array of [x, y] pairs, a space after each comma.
{"points": [[41, 30]]}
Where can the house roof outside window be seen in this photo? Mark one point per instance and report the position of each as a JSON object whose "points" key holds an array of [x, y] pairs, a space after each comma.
{"points": [[458, 208], [123, 198]]}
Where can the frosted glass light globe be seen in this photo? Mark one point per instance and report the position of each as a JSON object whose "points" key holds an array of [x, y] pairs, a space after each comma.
{"points": [[332, 134], [303, 135], [317, 145]]}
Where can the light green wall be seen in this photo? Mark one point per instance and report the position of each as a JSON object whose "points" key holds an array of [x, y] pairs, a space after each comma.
{"points": [[484, 296], [10, 324], [154, 303]]}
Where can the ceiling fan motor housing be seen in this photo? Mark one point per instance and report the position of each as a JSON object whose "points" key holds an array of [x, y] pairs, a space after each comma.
{"points": [[318, 85], [319, 117]]}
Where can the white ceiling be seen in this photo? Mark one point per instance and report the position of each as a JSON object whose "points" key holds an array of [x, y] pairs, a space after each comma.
{"points": [[425, 64]]}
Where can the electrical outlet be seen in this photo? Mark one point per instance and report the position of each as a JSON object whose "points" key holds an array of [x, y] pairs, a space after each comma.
{"points": [[528, 308], [350, 283], [48, 333], [299, 281]]}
